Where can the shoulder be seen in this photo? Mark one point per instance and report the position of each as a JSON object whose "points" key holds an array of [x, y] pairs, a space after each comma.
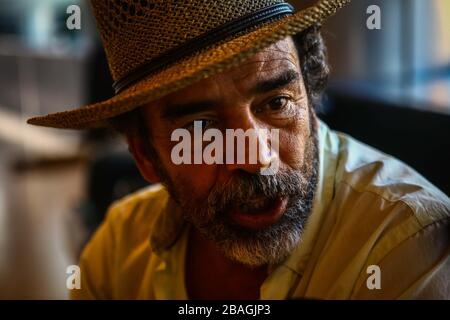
{"points": [[372, 175], [140, 207], [394, 218], [134, 219], [120, 247]]}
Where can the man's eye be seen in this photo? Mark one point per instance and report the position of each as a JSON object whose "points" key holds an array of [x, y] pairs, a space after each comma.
{"points": [[277, 104]]}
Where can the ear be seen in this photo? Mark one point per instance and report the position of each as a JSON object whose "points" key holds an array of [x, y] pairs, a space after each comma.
{"points": [[138, 149]]}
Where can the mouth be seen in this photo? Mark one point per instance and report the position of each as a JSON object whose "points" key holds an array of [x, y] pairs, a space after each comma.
{"points": [[259, 213]]}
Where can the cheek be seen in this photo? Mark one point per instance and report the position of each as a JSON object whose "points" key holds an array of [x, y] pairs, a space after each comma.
{"points": [[194, 180], [189, 180], [294, 141]]}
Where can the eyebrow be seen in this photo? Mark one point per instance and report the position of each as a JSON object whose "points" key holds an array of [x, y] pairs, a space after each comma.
{"points": [[280, 81], [175, 111]]}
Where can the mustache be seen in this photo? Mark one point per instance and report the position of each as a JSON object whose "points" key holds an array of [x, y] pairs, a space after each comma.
{"points": [[244, 186]]}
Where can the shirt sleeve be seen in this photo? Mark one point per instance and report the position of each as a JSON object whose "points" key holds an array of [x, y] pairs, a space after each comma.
{"points": [[417, 268], [96, 263]]}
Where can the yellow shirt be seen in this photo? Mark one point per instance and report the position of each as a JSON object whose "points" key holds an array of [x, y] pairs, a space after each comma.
{"points": [[369, 209]]}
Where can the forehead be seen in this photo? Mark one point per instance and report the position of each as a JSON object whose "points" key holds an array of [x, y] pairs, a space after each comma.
{"points": [[263, 65], [280, 55]]}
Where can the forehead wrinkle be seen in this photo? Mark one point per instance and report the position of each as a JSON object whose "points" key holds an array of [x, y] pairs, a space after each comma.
{"points": [[281, 51], [265, 67]]}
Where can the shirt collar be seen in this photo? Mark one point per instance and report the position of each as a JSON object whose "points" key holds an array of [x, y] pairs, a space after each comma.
{"points": [[167, 228], [328, 145]]}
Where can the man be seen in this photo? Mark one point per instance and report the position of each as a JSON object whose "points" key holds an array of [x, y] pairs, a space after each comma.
{"points": [[333, 219]]}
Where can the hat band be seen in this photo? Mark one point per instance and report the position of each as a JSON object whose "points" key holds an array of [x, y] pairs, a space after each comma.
{"points": [[227, 30]]}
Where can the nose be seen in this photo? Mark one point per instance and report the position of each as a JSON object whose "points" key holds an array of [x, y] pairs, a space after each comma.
{"points": [[248, 147]]}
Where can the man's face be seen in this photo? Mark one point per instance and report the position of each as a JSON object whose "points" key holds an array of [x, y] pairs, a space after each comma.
{"points": [[255, 219]]}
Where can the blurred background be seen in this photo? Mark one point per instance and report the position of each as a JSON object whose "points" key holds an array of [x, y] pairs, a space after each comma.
{"points": [[390, 88]]}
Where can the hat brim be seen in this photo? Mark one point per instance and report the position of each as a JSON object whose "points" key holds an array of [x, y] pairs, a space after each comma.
{"points": [[207, 62]]}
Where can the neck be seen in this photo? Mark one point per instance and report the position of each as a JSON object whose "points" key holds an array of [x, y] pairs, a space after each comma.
{"points": [[211, 275]]}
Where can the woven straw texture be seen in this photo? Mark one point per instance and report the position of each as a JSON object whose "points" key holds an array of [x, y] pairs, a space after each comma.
{"points": [[136, 31], [129, 39]]}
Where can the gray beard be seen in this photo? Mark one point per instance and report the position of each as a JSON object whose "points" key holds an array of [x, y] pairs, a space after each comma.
{"points": [[266, 246]]}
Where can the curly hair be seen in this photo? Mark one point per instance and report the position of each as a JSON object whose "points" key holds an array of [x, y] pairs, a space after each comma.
{"points": [[314, 67], [312, 53]]}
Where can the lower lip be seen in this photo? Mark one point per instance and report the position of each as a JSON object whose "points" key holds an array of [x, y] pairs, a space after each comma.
{"points": [[262, 219]]}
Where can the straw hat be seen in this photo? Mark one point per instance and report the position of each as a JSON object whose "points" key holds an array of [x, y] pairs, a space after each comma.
{"points": [[155, 47]]}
